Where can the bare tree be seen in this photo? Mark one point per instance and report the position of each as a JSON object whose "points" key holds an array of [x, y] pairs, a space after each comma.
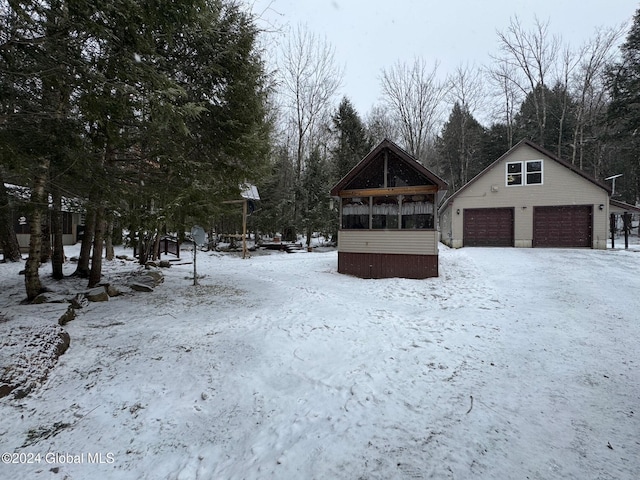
{"points": [[414, 96], [509, 97], [380, 125], [309, 80], [466, 93], [531, 56], [466, 87], [588, 85]]}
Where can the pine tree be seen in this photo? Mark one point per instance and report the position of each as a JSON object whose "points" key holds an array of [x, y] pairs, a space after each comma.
{"points": [[459, 147], [352, 144], [624, 112], [315, 191]]}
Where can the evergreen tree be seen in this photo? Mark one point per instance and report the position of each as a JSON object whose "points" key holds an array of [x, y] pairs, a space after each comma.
{"points": [[153, 109], [8, 238], [459, 147], [560, 120], [352, 144], [315, 189], [624, 113]]}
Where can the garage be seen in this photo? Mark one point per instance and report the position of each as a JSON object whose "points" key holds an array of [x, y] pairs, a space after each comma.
{"points": [[563, 226], [488, 227]]}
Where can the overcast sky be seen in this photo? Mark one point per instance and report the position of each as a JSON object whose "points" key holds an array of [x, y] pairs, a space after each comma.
{"points": [[369, 35]]}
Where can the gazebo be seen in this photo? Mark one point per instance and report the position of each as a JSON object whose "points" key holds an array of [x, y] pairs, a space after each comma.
{"points": [[388, 216]]}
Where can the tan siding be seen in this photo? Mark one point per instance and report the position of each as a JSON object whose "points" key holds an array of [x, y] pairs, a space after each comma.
{"points": [[409, 242], [561, 186]]}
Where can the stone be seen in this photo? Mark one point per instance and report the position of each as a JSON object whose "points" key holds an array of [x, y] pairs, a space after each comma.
{"points": [[67, 316], [141, 287], [79, 301], [48, 297], [98, 294], [164, 264], [156, 277], [113, 291]]}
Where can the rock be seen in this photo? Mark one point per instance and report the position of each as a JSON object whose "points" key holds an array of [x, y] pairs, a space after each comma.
{"points": [[122, 257], [79, 301], [67, 316], [164, 264], [157, 277], [113, 291], [48, 297], [141, 287], [64, 342], [150, 264], [34, 352], [98, 294]]}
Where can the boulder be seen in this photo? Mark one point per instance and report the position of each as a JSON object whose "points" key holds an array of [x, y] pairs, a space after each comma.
{"points": [[48, 297], [141, 287], [34, 352], [79, 301], [113, 291], [152, 276], [67, 316], [98, 294]]}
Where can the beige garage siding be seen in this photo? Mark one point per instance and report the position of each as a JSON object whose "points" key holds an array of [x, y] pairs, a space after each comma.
{"points": [[408, 242]]}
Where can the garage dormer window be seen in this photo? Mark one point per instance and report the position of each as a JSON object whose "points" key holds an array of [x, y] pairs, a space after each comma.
{"points": [[524, 173]]}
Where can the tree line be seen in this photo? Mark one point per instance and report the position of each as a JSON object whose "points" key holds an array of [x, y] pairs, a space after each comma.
{"points": [[577, 103], [154, 112]]}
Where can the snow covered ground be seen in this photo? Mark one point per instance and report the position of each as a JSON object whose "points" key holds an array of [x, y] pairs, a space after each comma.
{"points": [[513, 364]]}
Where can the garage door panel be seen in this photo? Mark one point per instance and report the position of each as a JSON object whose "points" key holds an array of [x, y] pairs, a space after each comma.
{"points": [[563, 226], [488, 227]]}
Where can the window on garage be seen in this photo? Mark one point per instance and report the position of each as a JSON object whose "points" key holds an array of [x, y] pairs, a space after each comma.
{"points": [[524, 173]]}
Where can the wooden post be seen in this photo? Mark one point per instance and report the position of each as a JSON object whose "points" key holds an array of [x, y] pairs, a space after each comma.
{"points": [[626, 222], [612, 228]]}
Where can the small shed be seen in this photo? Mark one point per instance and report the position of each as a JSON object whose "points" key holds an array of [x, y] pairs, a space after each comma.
{"points": [[528, 198], [388, 216]]}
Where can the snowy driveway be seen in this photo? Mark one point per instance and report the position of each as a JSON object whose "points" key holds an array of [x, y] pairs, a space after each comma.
{"points": [[515, 363]]}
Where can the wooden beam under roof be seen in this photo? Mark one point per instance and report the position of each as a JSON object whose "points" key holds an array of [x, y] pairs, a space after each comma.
{"points": [[376, 192]]}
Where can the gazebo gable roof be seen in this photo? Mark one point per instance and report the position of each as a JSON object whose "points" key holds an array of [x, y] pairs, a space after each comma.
{"points": [[397, 154]]}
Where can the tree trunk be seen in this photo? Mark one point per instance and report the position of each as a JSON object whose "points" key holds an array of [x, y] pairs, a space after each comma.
{"points": [[45, 248], [57, 258], [98, 244], [38, 206], [8, 238], [156, 247], [109, 253], [82, 270]]}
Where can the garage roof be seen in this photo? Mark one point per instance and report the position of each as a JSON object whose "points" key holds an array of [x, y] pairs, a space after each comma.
{"points": [[543, 151]]}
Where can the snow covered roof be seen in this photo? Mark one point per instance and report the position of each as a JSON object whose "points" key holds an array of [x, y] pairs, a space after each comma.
{"points": [[23, 194]]}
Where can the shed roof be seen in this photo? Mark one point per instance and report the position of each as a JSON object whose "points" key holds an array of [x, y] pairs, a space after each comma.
{"points": [[544, 152], [616, 206], [387, 144]]}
